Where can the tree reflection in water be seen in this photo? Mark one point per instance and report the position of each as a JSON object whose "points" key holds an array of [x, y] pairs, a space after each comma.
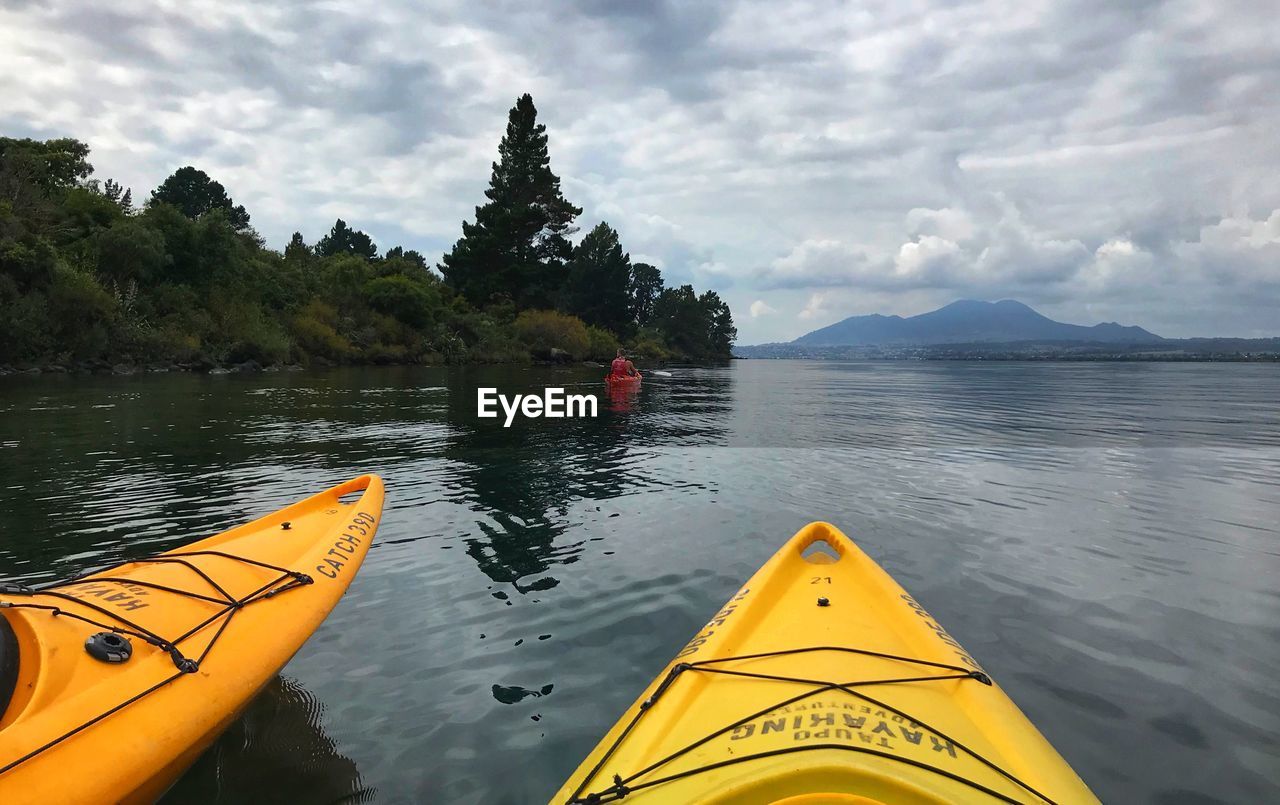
{"points": [[521, 480]]}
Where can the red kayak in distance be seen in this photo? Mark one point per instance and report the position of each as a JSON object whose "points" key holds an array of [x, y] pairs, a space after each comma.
{"points": [[622, 382]]}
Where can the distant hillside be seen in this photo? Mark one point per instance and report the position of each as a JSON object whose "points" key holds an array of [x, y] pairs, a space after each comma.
{"points": [[969, 322], [1170, 349]]}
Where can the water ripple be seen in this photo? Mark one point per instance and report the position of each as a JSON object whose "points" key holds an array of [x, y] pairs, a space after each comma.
{"points": [[1103, 537]]}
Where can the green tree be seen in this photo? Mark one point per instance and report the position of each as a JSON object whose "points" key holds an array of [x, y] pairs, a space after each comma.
{"points": [[518, 244], [681, 320], [342, 239], [131, 252], [598, 286], [646, 285], [112, 191], [296, 274], [402, 298], [193, 193], [24, 323], [50, 165], [342, 281], [297, 250], [182, 252], [699, 327], [84, 277], [410, 256], [82, 314], [222, 257], [119, 195], [30, 260], [83, 212], [720, 330]]}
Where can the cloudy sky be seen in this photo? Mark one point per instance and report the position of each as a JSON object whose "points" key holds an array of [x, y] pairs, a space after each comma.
{"points": [[1098, 160]]}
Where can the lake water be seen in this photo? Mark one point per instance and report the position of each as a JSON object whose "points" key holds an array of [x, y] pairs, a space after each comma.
{"points": [[1104, 538]]}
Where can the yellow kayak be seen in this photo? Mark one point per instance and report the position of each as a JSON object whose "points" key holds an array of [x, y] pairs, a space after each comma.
{"points": [[821, 682], [111, 684]]}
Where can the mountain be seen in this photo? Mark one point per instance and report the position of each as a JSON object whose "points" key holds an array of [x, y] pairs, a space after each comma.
{"points": [[969, 322]]}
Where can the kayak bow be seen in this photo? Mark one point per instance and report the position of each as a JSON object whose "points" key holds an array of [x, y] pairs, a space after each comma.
{"points": [[119, 679], [821, 682]]}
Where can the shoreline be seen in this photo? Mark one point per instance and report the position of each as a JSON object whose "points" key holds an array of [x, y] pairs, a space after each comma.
{"points": [[1260, 358], [107, 369]]}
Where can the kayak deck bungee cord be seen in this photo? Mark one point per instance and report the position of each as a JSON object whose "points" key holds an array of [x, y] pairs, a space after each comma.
{"points": [[113, 682], [822, 681]]}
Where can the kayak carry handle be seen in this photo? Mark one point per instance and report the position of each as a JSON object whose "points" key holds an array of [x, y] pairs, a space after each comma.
{"points": [[820, 543], [360, 483]]}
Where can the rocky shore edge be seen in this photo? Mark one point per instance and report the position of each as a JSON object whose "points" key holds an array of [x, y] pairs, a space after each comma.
{"points": [[125, 369]]}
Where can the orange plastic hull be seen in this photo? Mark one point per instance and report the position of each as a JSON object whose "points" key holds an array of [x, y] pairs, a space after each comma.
{"points": [[51, 747]]}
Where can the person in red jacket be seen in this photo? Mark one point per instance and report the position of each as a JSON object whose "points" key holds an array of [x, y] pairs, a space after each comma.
{"points": [[621, 368]]}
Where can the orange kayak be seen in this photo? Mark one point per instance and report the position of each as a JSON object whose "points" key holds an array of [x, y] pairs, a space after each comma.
{"points": [[622, 382], [113, 683]]}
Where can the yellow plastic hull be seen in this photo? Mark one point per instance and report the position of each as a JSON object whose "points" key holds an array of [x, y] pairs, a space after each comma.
{"points": [[837, 731], [51, 747]]}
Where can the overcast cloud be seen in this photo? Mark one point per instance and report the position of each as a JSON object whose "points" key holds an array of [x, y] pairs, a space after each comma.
{"points": [[809, 161]]}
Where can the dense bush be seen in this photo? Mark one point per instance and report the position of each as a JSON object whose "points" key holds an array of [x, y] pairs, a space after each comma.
{"points": [[602, 345], [545, 330], [315, 329], [402, 298], [648, 345], [249, 334], [81, 313]]}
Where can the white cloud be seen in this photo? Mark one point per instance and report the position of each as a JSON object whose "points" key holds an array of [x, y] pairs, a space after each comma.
{"points": [[906, 153], [1119, 264], [924, 259], [950, 223], [1243, 233], [761, 308], [981, 252], [1238, 250], [816, 263], [814, 308]]}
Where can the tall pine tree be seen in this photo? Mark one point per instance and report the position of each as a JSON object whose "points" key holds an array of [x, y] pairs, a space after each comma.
{"points": [[342, 239], [517, 248], [297, 248], [599, 281]]}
